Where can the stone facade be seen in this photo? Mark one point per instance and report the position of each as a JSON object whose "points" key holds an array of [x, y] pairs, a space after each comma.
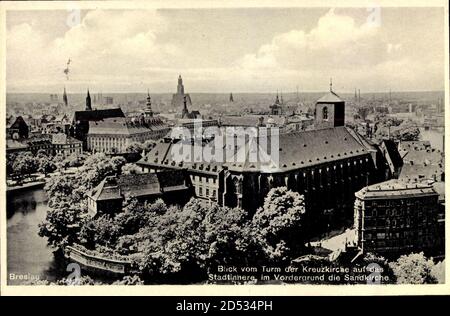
{"points": [[394, 217]]}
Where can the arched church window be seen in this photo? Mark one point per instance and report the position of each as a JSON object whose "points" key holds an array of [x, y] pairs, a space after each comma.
{"points": [[325, 113]]}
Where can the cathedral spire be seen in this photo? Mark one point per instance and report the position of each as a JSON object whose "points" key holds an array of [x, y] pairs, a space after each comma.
{"points": [[66, 103], [88, 101], [180, 87], [149, 110]]}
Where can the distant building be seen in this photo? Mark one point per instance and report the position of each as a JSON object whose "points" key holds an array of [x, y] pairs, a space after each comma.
{"points": [[107, 198], [276, 109], [19, 129], [65, 100], [66, 145], [114, 135], [395, 217], [181, 100], [192, 124], [40, 143], [421, 161], [88, 102], [14, 146], [81, 120], [284, 123], [109, 100]]}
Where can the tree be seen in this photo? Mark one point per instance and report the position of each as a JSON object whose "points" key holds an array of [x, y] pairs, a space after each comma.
{"points": [[58, 160], [131, 168], [74, 160], [363, 112], [24, 164], [278, 224], [438, 272], [45, 165], [229, 238], [64, 188], [196, 238], [101, 231], [134, 148], [10, 159], [98, 166], [129, 280], [62, 223], [414, 268], [406, 131]]}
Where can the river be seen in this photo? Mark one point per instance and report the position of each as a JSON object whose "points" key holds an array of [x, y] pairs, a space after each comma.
{"points": [[27, 253]]}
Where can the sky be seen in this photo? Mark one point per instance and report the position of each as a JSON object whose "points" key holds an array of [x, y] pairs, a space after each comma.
{"points": [[224, 50]]}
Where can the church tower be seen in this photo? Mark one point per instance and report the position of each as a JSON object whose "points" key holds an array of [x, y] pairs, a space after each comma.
{"points": [[180, 87], [66, 103], [330, 110], [181, 99], [185, 111], [88, 102], [275, 109], [148, 110]]}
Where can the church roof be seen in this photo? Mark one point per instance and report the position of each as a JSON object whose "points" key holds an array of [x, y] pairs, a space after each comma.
{"points": [[125, 126], [393, 152], [301, 149], [330, 97], [295, 151], [97, 115]]}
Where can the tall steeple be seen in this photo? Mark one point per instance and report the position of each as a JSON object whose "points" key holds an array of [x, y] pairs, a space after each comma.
{"points": [[66, 103], [180, 87], [88, 102], [149, 110], [185, 111]]}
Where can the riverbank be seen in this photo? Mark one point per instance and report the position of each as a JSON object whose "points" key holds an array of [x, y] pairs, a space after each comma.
{"points": [[26, 186]]}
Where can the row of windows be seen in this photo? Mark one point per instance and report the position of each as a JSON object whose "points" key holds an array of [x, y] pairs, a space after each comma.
{"points": [[401, 202], [204, 179], [419, 212], [399, 222], [206, 192]]}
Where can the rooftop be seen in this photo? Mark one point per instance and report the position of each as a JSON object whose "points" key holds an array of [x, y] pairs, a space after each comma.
{"points": [[125, 126], [395, 189], [296, 150], [138, 185], [330, 97]]}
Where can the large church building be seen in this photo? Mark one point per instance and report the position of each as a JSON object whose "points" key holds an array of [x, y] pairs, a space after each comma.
{"points": [[327, 165]]}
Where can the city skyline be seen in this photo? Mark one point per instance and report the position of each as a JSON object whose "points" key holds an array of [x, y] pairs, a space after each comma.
{"points": [[301, 47]]}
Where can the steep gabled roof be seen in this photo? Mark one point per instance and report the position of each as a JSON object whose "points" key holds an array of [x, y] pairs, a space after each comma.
{"points": [[393, 153], [330, 97]]}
